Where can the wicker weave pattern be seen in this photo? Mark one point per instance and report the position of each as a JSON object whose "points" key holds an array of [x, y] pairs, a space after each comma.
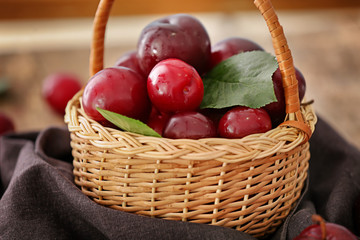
{"points": [[250, 184]]}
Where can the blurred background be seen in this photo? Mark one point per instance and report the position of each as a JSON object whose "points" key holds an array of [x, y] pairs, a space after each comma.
{"points": [[40, 37]]}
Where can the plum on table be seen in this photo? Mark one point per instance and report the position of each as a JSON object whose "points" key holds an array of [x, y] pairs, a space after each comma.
{"points": [[58, 88], [322, 230], [6, 124]]}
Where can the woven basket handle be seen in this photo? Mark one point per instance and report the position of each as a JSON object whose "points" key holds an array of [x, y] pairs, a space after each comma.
{"points": [[294, 116], [283, 55], [97, 45]]}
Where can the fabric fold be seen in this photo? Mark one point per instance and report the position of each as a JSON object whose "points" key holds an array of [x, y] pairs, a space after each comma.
{"points": [[39, 199]]}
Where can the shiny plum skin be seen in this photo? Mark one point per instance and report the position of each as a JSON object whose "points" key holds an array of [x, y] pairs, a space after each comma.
{"points": [[157, 120], [301, 83], [230, 47], [276, 109], [58, 89], [333, 232], [190, 125], [116, 89], [242, 121], [6, 124], [130, 60], [177, 36], [175, 86]]}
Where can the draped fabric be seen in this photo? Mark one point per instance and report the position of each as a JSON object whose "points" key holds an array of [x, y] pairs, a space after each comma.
{"points": [[39, 199]]}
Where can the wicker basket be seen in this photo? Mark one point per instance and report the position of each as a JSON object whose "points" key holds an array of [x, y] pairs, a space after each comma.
{"points": [[250, 184]]}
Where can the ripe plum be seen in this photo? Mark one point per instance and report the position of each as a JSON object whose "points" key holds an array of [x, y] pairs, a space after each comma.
{"points": [[117, 89], [276, 109], [177, 36], [191, 125], [6, 124], [174, 86], [321, 230], [129, 60], [241, 121], [231, 46], [59, 88]]}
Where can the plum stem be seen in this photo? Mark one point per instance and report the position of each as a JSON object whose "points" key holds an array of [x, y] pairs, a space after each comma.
{"points": [[308, 102], [317, 219]]}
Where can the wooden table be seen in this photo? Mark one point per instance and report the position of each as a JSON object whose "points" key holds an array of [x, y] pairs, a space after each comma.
{"points": [[325, 46]]}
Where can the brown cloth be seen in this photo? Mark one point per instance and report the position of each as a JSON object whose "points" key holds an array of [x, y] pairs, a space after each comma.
{"points": [[40, 201]]}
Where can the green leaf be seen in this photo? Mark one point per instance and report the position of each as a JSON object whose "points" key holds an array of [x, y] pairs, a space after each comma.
{"points": [[244, 79], [128, 124], [4, 85]]}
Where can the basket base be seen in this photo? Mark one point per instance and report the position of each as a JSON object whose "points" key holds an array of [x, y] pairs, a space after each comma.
{"points": [[250, 196]]}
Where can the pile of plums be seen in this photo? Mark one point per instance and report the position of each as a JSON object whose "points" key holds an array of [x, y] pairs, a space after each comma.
{"points": [[160, 83]]}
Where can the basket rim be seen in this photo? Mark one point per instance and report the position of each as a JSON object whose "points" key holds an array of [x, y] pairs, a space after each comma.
{"points": [[281, 138], [307, 107]]}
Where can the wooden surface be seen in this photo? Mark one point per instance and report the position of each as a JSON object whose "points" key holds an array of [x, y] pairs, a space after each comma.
{"points": [[325, 45], [39, 9]]}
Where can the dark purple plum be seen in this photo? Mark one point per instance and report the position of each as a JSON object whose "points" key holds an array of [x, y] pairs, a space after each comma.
{"points": [[177, 36], [231, 46]]}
